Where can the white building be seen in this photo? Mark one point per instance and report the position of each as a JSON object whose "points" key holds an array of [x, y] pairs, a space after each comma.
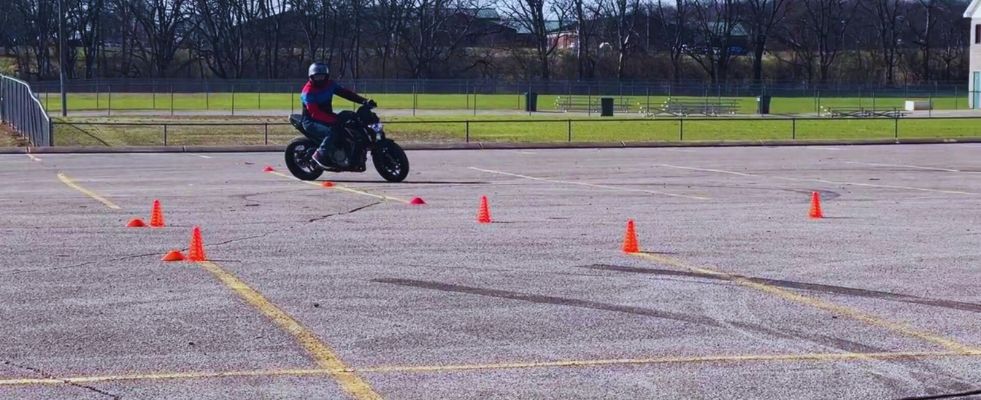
{"points": [[974, 83]]}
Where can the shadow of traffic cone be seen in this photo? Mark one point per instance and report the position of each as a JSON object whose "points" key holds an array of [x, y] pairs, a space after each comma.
{"points": [[156, 215], [483, 213], [173, 255], [195, 252], [816, 206], [630, 239], [136, 223], [268, 168], [417, 201]]}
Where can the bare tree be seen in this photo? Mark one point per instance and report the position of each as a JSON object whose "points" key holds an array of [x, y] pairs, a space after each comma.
{"points": [[437, 37], [886, 17], [390, 20], [38, 31], [89, 20], [761, 17], [623, 15], [227, 27], [584, 13], [954, 42], [922, 22], [530, 15], [716, 22], [816, 33], [163, 29], [674, 20]]}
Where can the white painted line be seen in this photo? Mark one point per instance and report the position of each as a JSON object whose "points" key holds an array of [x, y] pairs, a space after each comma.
{"points": [[918, 189], [721, 171], [909, 166], [621, 189], [718, 171], [32, 157], [200, 155]]}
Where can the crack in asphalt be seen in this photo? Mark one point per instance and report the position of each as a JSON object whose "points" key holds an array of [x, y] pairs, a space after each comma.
{"points": [[123, 258], [67, 382], [312, 220]]}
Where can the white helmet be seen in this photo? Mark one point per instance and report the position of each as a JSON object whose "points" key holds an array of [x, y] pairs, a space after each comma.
{"points": [[318, 68]]}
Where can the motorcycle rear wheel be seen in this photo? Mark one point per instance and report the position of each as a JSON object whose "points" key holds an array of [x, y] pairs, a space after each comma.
{"points": [[299, 159]]}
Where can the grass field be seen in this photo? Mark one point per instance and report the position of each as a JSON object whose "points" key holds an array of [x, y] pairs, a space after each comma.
{"points": [[286, 101], [507, 129]]}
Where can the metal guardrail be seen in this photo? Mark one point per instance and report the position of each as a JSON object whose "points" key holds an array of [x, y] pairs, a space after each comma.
{"points": [[791, 127], [21, 109]]}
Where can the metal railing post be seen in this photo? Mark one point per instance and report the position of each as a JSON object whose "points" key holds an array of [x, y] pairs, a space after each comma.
{"points": [[793, 127], [467, 137], [266, 133], [681, 130], [570, 130], [165, 134]]}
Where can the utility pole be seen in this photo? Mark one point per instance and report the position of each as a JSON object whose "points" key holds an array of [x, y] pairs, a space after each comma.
{"points": [[61, 58]]}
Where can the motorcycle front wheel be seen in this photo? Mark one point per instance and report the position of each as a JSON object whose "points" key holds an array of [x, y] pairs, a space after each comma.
{"points": [[390, 161], [299, 159]]}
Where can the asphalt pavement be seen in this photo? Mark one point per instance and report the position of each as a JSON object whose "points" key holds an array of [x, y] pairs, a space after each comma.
{"points": [[350, 292]]}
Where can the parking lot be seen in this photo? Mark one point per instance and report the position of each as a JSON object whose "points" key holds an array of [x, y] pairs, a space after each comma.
{"points": [[349, 291]]}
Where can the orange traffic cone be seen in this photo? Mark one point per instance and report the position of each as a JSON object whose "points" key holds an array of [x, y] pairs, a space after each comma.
{"points": [[327, 184], [268, 168], [156, 215], [136, 223], [195, 252], [630, 239], [417, 201], [173, 255], [816, 206], [483, 213]]}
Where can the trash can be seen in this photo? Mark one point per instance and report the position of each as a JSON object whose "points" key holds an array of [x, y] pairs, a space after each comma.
{"points": [[763, 104], [606, 106], [531, 101]]}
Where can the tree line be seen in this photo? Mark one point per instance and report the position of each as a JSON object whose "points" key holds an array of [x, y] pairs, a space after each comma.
{"points": [[718, 41]]}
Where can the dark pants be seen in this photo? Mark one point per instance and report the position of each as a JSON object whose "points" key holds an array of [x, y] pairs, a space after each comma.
{"points": [[320, 131]]}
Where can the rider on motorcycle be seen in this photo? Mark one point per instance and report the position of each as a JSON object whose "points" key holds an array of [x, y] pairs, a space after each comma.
{"points": [[319, 118]]}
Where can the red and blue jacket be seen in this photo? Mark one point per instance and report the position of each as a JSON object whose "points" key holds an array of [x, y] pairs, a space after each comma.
{"points": [[318, 100]]}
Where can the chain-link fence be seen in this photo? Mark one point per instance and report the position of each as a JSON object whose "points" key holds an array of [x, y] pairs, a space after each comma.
{"points": [[233, 97], [22, 110], [617, 130]]}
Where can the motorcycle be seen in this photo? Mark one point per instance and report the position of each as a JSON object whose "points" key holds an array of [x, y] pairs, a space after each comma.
{"points": [[357, 133]]}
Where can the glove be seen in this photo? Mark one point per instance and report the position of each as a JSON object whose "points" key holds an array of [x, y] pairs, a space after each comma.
{"points": [[370, 103]]}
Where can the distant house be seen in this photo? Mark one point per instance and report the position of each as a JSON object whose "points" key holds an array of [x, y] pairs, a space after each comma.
{"points": [[564, 40], [974, 80]]}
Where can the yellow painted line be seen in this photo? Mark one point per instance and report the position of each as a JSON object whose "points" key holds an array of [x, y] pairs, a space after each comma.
{"points": [[343, 188], [873, 185], [593, 185], [806, 357], [68, 181], [322, 354], [816, 303]]}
